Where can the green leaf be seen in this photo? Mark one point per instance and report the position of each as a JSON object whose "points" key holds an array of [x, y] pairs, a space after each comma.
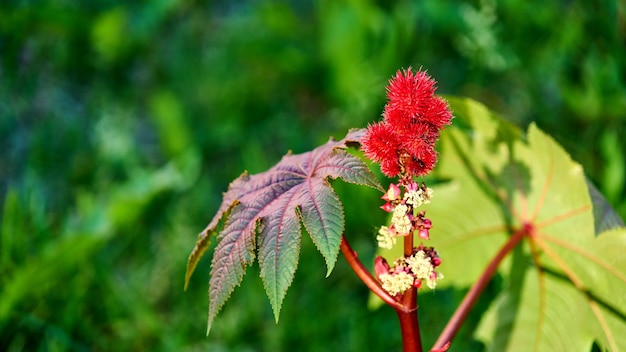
{"points": [[273, 204], [544, 310], [563, 288]]}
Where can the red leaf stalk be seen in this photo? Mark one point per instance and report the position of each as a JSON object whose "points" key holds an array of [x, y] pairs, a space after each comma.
{"points": [[454, 324], [366, 276], [406, 310]]}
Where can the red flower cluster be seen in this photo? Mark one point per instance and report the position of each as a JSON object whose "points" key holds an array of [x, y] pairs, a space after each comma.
{"points": [[404, 142]]}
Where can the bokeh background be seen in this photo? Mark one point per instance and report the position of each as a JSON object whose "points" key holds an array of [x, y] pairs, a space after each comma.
{"points": [[121, 123]]}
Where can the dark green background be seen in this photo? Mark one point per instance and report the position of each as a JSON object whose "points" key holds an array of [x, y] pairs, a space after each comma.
{"points": [[122, 122]]}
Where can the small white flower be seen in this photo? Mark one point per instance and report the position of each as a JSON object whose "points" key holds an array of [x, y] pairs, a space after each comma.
{"points": [[420, 265], [413, 198], [431, 282], [401, 221], [418, 197], [385, 238], [427, 194], [396, 283]]}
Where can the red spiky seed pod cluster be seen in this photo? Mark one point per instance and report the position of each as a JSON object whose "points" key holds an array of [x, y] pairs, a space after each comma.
{"points": [[403, 143]]}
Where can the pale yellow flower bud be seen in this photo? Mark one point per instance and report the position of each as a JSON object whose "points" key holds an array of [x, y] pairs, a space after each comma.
{"points": [[396, 283], [385, 238]]}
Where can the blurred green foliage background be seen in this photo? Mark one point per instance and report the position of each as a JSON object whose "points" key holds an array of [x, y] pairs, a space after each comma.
{"points": [[122, 122]]}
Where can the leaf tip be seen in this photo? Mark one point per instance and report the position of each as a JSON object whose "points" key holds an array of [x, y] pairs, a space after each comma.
{"points": [[276, 313], [208, 329], [329, 270]]}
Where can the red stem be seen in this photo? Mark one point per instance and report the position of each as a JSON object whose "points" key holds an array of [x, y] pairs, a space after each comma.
{"points": [[406, 310], [409, 325], [454, 324], [367, 278]]}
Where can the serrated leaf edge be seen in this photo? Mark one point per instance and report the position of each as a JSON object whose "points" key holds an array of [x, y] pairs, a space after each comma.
{"points": [[215, 309], [278, 297], [330, 260], [203, 242]]}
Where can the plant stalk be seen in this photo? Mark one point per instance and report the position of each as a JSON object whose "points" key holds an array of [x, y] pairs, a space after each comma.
{"points": [[454, 324], [367, 278], [406, 309], [409, 324]]}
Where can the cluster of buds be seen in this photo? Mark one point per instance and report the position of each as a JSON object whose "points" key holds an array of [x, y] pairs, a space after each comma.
{"points": [[405, 219], [409, 271]]}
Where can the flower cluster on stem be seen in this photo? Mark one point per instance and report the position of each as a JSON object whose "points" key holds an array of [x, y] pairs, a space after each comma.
{"points": [[406, 220], [409, 271], [403, 143]]}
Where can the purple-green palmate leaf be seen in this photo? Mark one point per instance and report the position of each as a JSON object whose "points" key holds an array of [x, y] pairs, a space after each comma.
{"points": [[263, 213]]}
